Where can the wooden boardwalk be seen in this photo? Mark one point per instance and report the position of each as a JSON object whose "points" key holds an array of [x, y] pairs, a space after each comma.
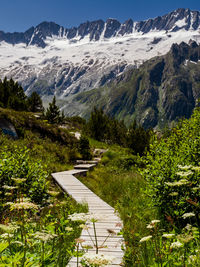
{"points": [[110, 223]]}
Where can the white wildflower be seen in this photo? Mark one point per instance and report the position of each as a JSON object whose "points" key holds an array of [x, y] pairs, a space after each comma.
{"points": [[176, 244], [188, 215], [22, 205], [192, 259], [188, 227], [43, 236], [18, 243], [8, 194], [146, 238], [168, 235], [7, 187], [8, 228], [85, 217], [178, 183], [84, 226], [93, 217], [6, 236], [183, 174], [153, 224], [155, 221], [78, 217], [182, 182], [92, 259], [185, 167], [185, 238], [196, 188], [68, 229]]}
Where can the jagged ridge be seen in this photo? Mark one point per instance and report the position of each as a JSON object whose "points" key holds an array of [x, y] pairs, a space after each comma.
{"points": [[172, 22]]}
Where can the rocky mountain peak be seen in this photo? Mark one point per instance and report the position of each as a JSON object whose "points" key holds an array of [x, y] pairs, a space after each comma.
{"points": [[179, 19]]}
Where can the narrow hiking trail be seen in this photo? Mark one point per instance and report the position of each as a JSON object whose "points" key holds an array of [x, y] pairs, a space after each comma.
{"points": [[110, 223]]}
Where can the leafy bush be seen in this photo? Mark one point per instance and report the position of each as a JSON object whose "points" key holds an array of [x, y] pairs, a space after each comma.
{"points": [[84, 148], [18, 164], [172, 171]]}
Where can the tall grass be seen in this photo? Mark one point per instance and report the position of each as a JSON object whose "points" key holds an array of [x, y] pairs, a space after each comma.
{"points": [[117, 181]]}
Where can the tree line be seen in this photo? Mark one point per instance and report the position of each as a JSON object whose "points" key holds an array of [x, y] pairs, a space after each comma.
{"points": [[12, 96], [102, 127]]}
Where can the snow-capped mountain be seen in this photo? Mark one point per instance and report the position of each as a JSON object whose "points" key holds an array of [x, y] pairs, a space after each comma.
{"points": [[51, 59]]}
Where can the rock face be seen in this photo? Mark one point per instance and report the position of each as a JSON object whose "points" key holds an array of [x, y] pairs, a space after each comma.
{"points": [[174, 21], [53, 60], [159, 92], [8, 128]]}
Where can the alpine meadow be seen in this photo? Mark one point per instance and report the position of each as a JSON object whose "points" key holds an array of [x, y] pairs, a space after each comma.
{"points": [[100, 139]]}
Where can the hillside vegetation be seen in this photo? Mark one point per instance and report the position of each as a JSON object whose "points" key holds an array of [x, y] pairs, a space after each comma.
{"points": [[161, 91], [157, 196], [151, 179]]}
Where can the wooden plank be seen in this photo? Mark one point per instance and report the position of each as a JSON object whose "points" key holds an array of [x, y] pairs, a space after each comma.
{"points": [[84, 166], [110, 219]]}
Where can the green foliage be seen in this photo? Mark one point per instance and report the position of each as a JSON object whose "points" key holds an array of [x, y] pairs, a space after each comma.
{"points": [[18, 164], [53, 113], [39, 237], [116, 180], [171, 171], [161, 248], [138, 139], [78, 122], [84, 148], [35, 103], [12, 95], [34, 225], [104, 128], [97, 124]]}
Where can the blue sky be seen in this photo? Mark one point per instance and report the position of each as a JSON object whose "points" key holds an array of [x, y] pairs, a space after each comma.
{"points": [[19, 15]]}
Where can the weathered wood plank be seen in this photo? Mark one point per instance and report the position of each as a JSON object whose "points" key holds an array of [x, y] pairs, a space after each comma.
{"points": [[110, 220]]}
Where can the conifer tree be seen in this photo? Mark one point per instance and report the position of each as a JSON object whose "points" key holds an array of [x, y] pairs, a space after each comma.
{"points": [[138, 138], [97, 124], [84, 148], [35, 103], [53, 112]]}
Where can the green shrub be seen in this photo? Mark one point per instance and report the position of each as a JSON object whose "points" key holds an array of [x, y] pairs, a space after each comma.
{"points": [[18, 164], [173, 172]]}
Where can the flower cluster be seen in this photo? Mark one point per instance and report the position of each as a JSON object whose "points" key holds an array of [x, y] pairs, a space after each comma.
{"points": [[22, 205], [85, 217], [91, 259], [188, 215], [146, 238], [43, 236], [186, 167], [168, 235], [153, 224], [176, 244], [183, 174], [7, 187], [178, 183]]}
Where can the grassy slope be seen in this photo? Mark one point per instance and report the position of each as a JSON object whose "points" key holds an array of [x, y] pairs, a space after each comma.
{"points": [[117, 182], [52, 145]]}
